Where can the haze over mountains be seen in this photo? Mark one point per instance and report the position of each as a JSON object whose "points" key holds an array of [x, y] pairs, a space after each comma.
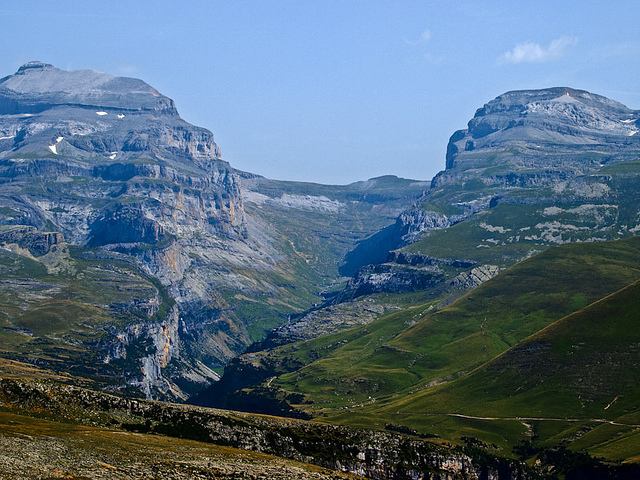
{"points": [[136, 260]]}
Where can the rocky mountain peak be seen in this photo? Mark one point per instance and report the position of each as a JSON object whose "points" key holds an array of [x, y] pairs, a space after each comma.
{"points": [[38, 86], [90, 114], [34, 65], [525, 119]]}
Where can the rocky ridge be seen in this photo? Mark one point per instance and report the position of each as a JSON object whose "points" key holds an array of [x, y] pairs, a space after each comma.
{"points": [[378, 455]]}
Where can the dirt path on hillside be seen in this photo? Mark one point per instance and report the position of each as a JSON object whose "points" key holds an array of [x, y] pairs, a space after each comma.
{"points": [[526, 419]]}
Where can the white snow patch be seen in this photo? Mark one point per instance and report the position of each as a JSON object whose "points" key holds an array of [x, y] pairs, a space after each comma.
{"points": [[631, 120], [7, 138], [53, 147], [121, 116], [101, 113], [112, 156], [632, 133]]}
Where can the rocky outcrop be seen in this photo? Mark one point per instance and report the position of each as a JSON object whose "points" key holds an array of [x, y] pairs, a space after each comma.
{"points": [[37, 243], [124, 224], [420, 260], [372, 454], [413, 222], [474, 277], [539, 137], [323, 321], [389, 278]]}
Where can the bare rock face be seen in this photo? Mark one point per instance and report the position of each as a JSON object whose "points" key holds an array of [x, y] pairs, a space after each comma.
{"points": [[474, 277], [538, 137], [37, 243], [413, 222], [390, 278], [107, 162]]}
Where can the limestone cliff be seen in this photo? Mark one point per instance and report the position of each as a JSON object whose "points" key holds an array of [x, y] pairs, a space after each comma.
{"points": [[107, 164]]}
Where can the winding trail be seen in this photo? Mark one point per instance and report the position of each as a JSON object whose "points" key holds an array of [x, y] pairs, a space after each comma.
{"points": [[525, 419]]}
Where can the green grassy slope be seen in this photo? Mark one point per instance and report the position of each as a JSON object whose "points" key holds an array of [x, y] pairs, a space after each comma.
{"points": [[586, 365], [415, 348], [574, 382]]}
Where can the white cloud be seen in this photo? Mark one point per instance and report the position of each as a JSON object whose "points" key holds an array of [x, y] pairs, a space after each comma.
{"points": [[423, 39], [530, 52]]}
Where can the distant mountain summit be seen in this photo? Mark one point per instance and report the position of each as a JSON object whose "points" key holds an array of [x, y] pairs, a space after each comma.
{"points": [[557, 128], [87, 113], [37, 86]]}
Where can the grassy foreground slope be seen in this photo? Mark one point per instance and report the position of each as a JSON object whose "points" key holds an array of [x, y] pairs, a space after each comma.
{"points": [[417, 349], [576, 382], [34, 448]]}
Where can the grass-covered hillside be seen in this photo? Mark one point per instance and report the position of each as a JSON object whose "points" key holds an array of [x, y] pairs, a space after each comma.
{"points": [[577, 380], [407, 367]]}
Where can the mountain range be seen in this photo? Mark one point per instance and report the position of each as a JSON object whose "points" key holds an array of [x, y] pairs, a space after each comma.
{"points": [[131, 219], [489, 308]]}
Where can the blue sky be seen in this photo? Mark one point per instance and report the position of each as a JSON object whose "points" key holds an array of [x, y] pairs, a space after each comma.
{"points": [[335, 91]]}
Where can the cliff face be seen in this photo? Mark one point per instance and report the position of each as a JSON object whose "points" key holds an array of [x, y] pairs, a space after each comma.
{"points": [[105, 167], [108, 162], [538, 137]]}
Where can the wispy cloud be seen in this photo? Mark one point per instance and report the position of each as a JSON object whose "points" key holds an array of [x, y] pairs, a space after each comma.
{"points": [[530, 52], [423, 39]]}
